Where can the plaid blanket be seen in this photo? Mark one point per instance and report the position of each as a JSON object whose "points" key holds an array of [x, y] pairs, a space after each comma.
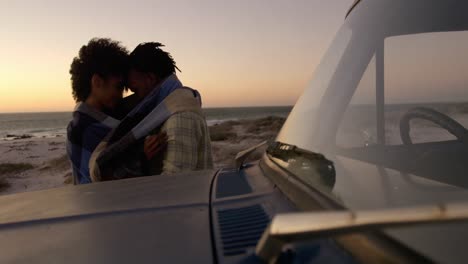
{"points": [[111, 160], [86, 130]]}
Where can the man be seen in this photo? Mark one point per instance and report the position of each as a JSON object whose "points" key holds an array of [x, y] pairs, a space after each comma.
{"points": [[152, 71], [97, 80], [97, 76]]}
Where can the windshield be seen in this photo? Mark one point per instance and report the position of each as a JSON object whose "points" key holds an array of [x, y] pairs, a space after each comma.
{"points": [[390, 98]]}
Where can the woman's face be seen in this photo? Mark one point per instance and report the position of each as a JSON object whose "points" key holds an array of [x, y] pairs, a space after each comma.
{"points": [[110, 91]]}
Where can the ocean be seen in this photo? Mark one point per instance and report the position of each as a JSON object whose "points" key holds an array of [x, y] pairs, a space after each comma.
{"points": [[359, 128], [53, 124]]}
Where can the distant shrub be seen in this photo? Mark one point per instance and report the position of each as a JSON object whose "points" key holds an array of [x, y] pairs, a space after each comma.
{"points": [[221, 132], [267, 124], [60, 163], [6, 168], [221, 135], [231, 123], [4, 184], [68, 180]]}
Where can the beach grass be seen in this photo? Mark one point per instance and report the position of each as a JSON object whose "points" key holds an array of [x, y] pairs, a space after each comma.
{"points": [[230, 137], [271, 123], [221, 132], [68, 180], [7, 168], [11, 168], [225, 131], [60, 163], [4, 184]]}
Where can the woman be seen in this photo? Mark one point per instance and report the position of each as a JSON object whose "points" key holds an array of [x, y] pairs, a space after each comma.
{"points": [[97, 76]]}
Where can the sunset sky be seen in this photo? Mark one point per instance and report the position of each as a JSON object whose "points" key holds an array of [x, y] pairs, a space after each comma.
{"points": [[236, 53]]}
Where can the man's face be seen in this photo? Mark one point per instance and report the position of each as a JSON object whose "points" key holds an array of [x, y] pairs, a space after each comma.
{"points": [[111, 91], [140, 83]]}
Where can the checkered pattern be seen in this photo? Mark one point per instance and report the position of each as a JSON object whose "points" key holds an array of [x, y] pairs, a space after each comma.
{"points": [[84, 133], [189, 146]]}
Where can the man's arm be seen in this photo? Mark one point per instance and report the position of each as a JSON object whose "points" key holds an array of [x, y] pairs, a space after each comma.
{"points": [[183, 132]]}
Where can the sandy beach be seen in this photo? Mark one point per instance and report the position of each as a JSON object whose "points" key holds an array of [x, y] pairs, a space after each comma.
{"points": [[30, 164], [33, 164]]}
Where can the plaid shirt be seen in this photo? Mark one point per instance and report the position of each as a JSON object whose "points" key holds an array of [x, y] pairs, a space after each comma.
{"points": [[188, 146]]}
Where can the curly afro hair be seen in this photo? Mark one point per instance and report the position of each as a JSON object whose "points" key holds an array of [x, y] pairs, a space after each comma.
{"points": [[100, 56], [149, 57]]}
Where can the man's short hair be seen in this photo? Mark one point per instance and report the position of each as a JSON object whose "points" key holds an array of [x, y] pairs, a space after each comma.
{"points": [[150, 58], [101, 56]]}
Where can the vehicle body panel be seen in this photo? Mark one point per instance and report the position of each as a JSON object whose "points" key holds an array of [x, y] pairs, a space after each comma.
{"points": [[160, 218], [380, 175]]}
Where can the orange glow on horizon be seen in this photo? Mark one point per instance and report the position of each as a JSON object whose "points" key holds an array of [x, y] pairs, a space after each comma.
{"points": [[235, 54]]}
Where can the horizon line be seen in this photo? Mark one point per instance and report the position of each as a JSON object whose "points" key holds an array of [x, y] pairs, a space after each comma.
{"points": [[211, 107]]}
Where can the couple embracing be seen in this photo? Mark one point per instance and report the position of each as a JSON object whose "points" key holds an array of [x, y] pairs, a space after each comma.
{"points": [[159, 129]]}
